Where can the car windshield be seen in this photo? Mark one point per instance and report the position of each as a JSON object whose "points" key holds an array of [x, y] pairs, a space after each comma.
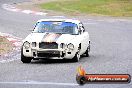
{"points": [[56, 27]]}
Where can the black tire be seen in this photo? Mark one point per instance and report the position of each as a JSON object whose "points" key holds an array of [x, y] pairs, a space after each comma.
{"points": [[77, 56], [87, 51], [25, 59]]}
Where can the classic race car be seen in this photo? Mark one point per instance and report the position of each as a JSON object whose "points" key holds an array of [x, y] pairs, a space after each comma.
{"points": [[56, 39]]}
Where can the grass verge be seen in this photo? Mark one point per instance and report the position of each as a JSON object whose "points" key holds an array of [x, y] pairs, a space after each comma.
{"points": [[5, 45], [95, 7]]}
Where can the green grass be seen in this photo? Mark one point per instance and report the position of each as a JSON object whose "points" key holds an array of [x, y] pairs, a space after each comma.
{"points": [[96, 7]]}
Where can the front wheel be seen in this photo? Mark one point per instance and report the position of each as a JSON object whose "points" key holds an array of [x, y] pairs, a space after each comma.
{"points": [[77, 56], [25, 59], [87, 51]]}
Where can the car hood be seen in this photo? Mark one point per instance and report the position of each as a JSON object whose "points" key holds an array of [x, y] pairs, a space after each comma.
{"points": [[50, 37]]}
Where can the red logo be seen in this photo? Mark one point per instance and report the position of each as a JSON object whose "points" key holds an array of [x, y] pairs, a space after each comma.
{"points": [[83, 78]]}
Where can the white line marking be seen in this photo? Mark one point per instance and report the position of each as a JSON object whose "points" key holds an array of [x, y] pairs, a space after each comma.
{"points": [[8, 7], [15, 10], [40, 13], [17, 44], [27, 11], [8, 60], [12, 8], [12, 39], [41, 83], [59, 16]]}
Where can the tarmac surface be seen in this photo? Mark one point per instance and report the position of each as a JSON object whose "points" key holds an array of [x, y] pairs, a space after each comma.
{"points": [[111, 53]]}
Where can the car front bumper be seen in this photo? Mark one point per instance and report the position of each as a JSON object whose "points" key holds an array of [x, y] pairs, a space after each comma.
{"points": [[49, 53]]}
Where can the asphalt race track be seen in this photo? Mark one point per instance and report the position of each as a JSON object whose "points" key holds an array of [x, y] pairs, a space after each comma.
{"points": [[111, 53]]}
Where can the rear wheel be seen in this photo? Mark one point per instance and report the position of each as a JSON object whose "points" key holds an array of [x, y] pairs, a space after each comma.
{"points": [[25, 59]]}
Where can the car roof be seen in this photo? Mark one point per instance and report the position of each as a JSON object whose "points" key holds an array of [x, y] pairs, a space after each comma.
{"points": [[64, 20]]}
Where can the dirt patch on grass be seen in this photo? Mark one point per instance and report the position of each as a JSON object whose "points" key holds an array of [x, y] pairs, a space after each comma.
{"points": [[5, 45]]}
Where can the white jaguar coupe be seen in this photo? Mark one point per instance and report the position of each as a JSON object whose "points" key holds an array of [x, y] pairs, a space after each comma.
{"points": [[56, 39]]}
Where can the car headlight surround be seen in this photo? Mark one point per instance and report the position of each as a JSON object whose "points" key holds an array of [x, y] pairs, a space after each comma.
{"points": [[26, 44], [62, 45], [33, 44], [70, 46]]}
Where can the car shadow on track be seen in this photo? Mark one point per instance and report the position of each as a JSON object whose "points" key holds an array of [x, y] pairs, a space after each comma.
{"points": [[50, 61], [59, 61]]}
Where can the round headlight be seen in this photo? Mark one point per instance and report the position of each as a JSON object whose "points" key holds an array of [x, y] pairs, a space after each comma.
{"points": [[26, 45], [70, 46]]}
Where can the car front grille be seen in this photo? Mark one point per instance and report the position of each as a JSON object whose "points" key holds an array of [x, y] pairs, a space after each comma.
{"points": [[47, 45], [48, 54]]}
